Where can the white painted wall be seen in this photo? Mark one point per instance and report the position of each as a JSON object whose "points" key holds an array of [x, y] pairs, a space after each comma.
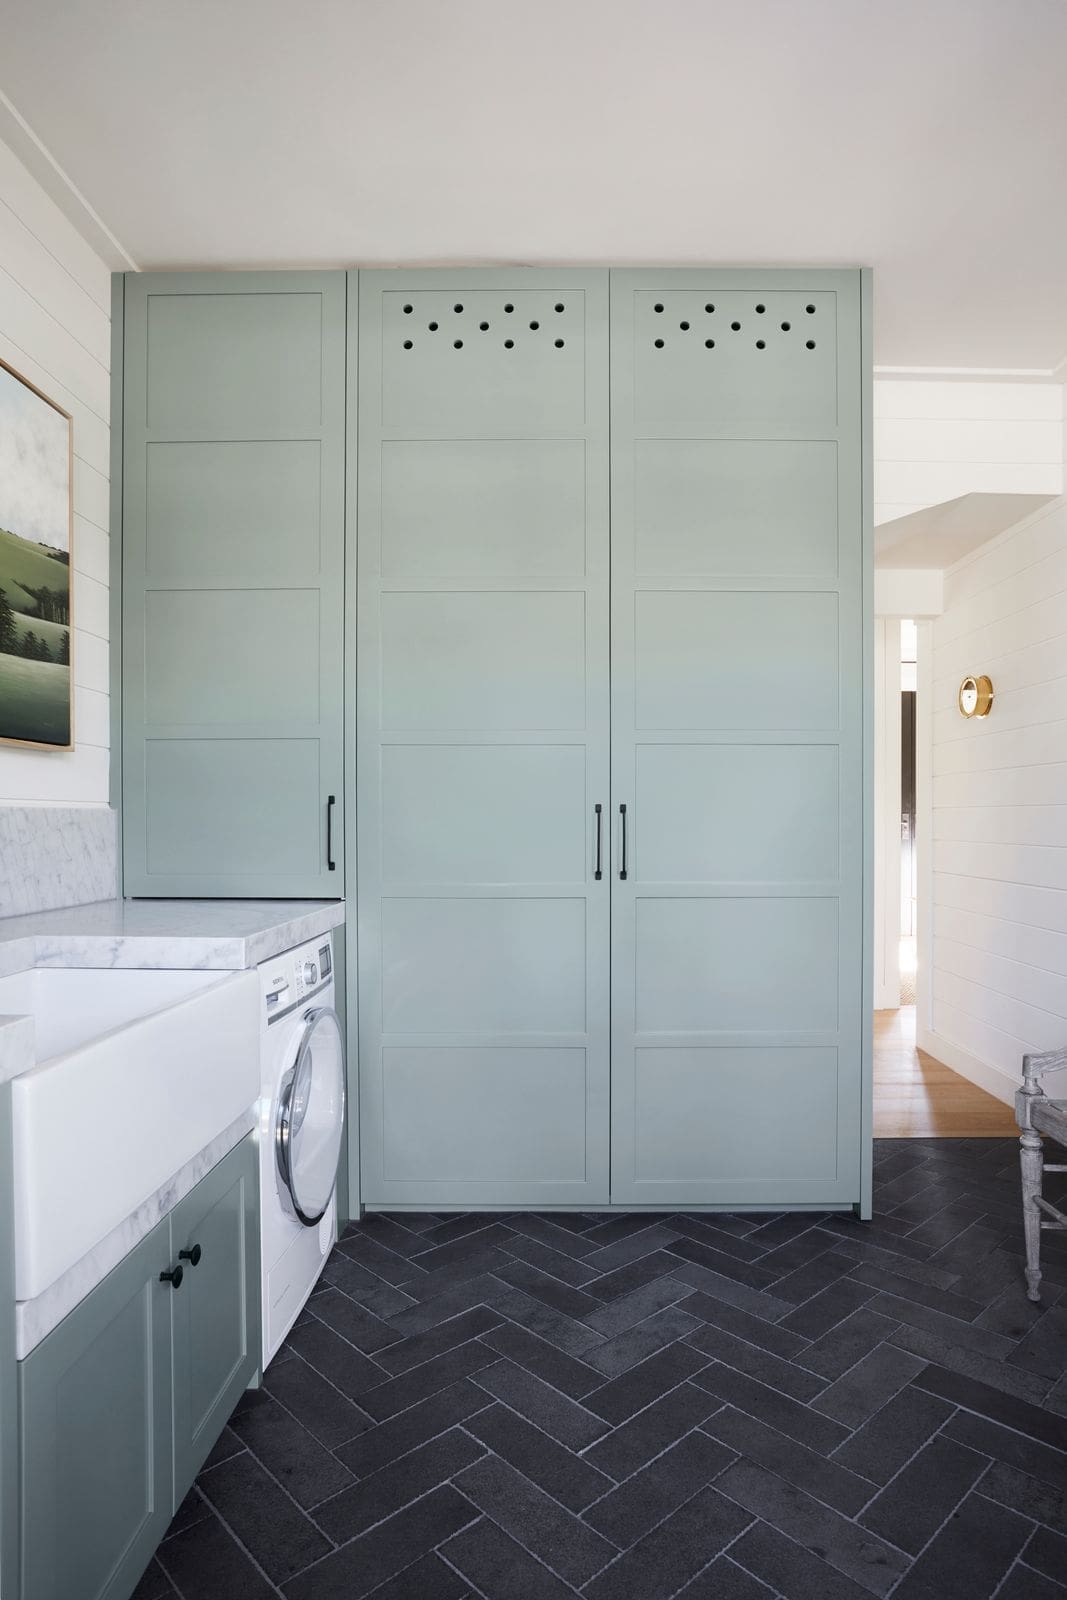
{"points": [[55, 316], [995, 878], [938, 438]]}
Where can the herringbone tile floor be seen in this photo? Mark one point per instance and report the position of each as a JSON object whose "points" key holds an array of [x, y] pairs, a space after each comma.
{"points": [[638, 1407]]}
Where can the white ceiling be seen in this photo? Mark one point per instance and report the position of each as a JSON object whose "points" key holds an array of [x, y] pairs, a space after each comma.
{"points": [[925, 138]]}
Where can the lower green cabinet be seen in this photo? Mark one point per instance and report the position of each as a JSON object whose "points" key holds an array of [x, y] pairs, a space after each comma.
{"points": [[121, 1403]]}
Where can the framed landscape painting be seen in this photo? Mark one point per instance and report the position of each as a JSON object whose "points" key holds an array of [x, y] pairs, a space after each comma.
{"points": [[36, 522]]}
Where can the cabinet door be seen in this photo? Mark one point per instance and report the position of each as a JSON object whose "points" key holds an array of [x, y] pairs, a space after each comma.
{"points": [[740, 596], [233, 583], [96, 1436], [216, 1308], [483, 737]]}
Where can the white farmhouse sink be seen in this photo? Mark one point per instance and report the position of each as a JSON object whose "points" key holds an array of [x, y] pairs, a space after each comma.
{"points": [[137, 1071]]}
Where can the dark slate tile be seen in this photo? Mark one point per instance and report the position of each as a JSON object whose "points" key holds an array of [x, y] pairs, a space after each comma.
{"points": [[1047, 1554], [194, 1508], [322, 1409], [865, 1388], [757, 1302], [626, 1349], [804, 1468], [757, 1363], [420, 1347], [556, 1235], [347, 1368], [574, 1338], [383, 1263], [154, 1584], [381, 1298], [560, 1296], [1044, 1349], [845, 1344], [768, 1405], [859, 1555], [428, 1579], [626, 1225], [637, 1388], [882, 1445], [817, 1316], [970, 1555], [565, 1420], [294, 1456], [491, 1235], [617, 1315], [950, 1328], [813, 1277], [571, 1479], [388, 1231], [270, 1526], [352, 1321], [341, 1272], [206, 1563], [461, 1225], [554, 1262], [923, 1294], [770, 1336], [227, 1444], [569, 1373], [739, 1245], [407, 1478], [1045, 1462], [385, 1550], [616, 1255], [495, 1565], [452, 1289], [1023, 1583], [673, 1552], [379, 1445], [570, 1547], [1011, 1313], [993, 1402], [636, 1506], [789, 1569], [417, 1221], [611, 1285], [440, 1372], [798, 1253], [651, 1430], [754, 1274], [910, 1510], [1029, 1496], [725, 1580]]}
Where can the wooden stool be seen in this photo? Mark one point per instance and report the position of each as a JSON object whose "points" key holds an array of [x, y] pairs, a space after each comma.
{"points": [[1037, 1114]]}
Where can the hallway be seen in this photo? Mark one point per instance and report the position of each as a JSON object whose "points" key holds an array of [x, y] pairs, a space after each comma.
{"points": [[916, 1097]]}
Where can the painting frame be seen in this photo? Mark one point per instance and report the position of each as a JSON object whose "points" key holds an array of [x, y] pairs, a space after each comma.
{"points": [[8, 741]]}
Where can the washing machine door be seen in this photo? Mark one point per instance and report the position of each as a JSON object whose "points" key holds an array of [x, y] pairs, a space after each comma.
{"points": [[309, 1120]]}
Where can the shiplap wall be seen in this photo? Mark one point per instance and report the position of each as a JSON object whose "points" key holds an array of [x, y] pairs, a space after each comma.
{"points": [[998, 954], [55, 317], [935, 439]]}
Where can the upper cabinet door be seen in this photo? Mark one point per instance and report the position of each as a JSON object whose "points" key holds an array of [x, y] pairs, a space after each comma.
{"points": [[740, 589], [233, 583]]}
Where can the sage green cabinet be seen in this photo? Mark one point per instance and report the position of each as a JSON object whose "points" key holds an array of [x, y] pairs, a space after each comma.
{"points": [[233, 492], [122, 1402]]}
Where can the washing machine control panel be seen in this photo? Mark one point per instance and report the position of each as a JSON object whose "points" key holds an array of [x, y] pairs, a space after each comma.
{"points": [[291, 977]]}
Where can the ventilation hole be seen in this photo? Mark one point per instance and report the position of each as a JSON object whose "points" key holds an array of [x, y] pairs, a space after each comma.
{"points": [[408, 310], [736, 326], [484, 326], [709, 307], [559, 305], [457, 308], [810, 310], [684, 327], [459, 344], [659, 344], [709, 344], [559, 344], [657, 308], [432, 327], [810, 344], [786, 327], [535, 326], [761, 309], [407, 344], [509, 344], [509, 308], [761, 344]]}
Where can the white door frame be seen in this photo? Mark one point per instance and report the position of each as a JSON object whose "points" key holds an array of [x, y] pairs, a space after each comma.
{"points": [[886, 813]]}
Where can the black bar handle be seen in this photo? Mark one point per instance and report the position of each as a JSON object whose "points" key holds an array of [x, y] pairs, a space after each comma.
{"points": [[174, 1277], [622, 814], [192, 1256], [598, 874], [331, 864]]}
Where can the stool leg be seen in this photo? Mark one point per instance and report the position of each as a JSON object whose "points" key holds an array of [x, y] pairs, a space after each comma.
{"points": [[1030, 1159]]}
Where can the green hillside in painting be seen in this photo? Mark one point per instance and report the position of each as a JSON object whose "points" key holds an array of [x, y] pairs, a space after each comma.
{"points": [[34, 641]]}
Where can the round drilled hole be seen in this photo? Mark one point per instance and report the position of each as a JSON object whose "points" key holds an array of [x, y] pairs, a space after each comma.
{"points": [[657, 308], [684, 327], [786, 327], [408, 310], [810, 310], [509, 344], [457, 308], [810, 344], [432, 327], [484, 326], [761, 309], [509, 308], [458, 344], [761, 344], [736, 326], [709, 307], [659, 344], [534, 326], [559, 305], [709, 344], [407, 344], [559, 344]]}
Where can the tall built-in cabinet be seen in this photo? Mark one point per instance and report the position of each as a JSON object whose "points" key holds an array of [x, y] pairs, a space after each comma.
{"points": [[606, 541]]}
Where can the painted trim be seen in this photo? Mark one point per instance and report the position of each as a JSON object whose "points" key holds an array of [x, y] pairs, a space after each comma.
{"points": [[886, 818], [354, 1191], [987, 1077], [9, 1417], [115, 642], [864, 1208], [924, 823]]}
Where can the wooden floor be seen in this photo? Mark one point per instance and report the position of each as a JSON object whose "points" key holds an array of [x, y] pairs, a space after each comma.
{"points": [[916, 1097]]}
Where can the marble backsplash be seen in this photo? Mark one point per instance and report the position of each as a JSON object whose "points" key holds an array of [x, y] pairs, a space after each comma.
{"points": [[56, 856]]}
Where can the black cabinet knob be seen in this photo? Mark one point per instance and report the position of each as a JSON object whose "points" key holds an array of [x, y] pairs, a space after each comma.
{"points": [[174, 1278], [192, 1256]]}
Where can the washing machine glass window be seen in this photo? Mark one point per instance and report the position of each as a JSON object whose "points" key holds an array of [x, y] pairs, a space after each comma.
{"points": [[310, 1116]]}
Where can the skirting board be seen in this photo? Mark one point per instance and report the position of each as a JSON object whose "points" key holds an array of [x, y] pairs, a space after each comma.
{"points": [[991, 1079]]}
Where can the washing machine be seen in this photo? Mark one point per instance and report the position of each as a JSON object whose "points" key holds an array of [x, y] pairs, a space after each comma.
{"points": [[301, 1126]]}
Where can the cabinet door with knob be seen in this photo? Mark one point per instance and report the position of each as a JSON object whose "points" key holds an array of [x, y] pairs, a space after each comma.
{"points": [[233, 418]]}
